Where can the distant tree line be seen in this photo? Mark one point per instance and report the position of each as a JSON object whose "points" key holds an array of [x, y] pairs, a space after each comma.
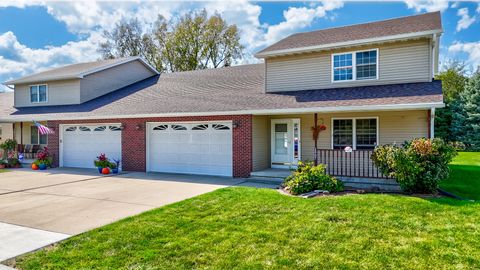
{"points": [[189, 42], [460, 119]]}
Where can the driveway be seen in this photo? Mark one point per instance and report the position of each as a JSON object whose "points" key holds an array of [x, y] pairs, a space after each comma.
{"points": [[58, 203]]}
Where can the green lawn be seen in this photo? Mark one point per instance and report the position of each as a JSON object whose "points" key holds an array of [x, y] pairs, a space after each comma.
{"points": [[464, 177], [247, 228]]}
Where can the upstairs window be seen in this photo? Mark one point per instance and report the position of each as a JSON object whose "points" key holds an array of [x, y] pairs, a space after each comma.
{"points": [[38, 93], [361, 65], [343, 67]]}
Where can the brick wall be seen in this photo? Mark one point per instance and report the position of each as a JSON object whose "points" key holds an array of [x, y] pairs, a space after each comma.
{"points": [[134, 140]]}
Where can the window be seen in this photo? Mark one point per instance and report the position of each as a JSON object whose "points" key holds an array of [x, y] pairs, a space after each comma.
{"points": [[220, 127], [100, 128], [358, 133], [115, 128], [342, 67], [200, 127], [161, 127], [355, 66], [36, 137], [178, 127], [366, 63], [71, 129], [38, 93], [84, 129]]}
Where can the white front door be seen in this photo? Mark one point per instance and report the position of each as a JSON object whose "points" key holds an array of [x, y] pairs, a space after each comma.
{"points": [[285, 141]]}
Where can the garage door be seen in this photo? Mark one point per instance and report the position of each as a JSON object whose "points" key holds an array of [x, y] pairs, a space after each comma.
{"points": [[193, 148], [81, 144]]}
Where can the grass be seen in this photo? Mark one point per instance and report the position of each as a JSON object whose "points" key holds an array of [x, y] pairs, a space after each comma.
{"points": [[2, 170], [247, 228], [464, 177]]}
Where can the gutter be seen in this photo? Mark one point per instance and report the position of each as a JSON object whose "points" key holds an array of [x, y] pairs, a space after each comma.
{"points": [[362, 108]]}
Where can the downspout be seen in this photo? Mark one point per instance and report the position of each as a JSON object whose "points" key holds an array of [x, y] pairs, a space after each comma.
{"points": [[315, 126], [21, 133]]}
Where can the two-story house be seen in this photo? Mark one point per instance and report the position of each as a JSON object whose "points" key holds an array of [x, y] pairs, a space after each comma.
{"points": [[352, 87]]}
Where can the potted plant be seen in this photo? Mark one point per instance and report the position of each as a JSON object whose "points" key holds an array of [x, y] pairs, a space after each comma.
{"points": [[115, 165], [101, 163], [3, 163], [8, 146], [43, 160]]}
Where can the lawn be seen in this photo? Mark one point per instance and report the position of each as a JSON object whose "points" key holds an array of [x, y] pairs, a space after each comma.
{"points": [[464, 177], [247, 228]]}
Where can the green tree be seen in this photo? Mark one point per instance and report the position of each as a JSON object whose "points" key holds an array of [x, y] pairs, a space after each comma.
{"points": [[466, 120], [192, 41], [453, 82]]}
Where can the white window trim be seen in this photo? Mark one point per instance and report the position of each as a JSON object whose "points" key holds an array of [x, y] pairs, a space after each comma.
{"points": [[354, 65], [38, 137], [38, 93], [354, 129]]}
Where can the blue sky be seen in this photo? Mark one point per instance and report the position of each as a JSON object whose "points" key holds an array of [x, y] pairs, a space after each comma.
{"points": [[37, 35]]}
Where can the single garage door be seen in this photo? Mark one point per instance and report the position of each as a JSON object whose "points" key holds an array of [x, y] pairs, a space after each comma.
{"points": [[193, 148], [81, 144]]}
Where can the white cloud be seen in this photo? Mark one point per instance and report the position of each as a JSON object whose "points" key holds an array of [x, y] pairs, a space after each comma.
{"points": [[16, 59], [427, 5], [478, 8], [465, 19], [89, 18], [470, 48]]}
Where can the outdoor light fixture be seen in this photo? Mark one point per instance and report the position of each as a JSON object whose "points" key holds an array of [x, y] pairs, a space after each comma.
{"points": [[138, 127]]}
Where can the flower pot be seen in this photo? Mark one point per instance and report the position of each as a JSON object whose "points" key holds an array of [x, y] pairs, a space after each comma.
{"points": [[99, 169], [34, 167], [105, 171], [42, 166], [115, 170]]}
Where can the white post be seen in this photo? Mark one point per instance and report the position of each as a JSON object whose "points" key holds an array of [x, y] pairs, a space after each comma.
{"points": [[432, 122]]}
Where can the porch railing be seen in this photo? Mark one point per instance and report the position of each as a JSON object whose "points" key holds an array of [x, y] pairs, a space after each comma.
{"points": [[354, 164]]}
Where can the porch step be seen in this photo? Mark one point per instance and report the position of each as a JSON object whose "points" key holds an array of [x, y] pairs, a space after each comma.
{"points": [[265, 180], [371, 183]]}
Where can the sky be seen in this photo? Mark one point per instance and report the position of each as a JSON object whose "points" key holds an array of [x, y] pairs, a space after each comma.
{"points": [[38, 35]]}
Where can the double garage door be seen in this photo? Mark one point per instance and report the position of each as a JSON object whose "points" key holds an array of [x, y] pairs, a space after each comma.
{"points": [[194, 148]]}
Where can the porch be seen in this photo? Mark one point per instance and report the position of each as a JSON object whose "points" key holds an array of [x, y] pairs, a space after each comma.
{"points": [[28, 138], [279, 142]]}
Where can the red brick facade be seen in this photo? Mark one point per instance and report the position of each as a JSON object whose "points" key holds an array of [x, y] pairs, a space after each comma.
{"points": [[134, 140]]}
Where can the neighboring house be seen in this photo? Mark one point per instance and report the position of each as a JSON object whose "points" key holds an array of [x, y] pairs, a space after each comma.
{"points": [[368, 84]]}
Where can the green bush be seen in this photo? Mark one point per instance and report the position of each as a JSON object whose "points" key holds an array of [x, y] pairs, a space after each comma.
{"points": [[308, 177], [418, 166]]}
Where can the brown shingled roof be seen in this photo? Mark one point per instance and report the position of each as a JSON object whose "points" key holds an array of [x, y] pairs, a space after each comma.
{"points": [[233, 90], [398, 26]]}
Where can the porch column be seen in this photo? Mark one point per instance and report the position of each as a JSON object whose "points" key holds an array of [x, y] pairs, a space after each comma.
{"points": [[432, 123]]}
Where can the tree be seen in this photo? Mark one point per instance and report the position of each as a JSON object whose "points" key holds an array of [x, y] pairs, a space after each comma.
{"points": [[192, 41], [453, 82], [467, 119]]}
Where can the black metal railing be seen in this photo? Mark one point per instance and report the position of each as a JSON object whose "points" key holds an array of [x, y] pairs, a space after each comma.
{"points": [[350, 164]]}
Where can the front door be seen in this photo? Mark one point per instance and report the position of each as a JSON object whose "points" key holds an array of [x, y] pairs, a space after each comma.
{"points": [[285, 140]]}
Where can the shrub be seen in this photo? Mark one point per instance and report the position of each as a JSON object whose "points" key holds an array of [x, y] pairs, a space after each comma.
{"points": [[308, 177], [418, 166], [102, 161]]}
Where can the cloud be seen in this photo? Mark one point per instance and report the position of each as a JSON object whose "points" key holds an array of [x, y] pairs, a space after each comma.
{"points": [[427, 5], [472, 49], [17, 59], [465, 19]]}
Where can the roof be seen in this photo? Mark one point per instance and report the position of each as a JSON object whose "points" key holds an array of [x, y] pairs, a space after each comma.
{"points": [[422, 24], [77, 71], [230, 90]]}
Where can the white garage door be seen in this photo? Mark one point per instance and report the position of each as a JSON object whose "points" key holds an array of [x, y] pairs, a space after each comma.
{"points": [[193, 148], [81, 144]]}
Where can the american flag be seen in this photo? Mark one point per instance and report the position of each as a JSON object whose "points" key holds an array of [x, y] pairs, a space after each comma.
{"points": [[43, 129]]}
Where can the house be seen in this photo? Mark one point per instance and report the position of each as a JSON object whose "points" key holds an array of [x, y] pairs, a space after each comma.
{"points": [[360, 85]]}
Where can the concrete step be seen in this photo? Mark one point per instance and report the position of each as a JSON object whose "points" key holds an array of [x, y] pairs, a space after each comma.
{"points": [[371, 183], [266, 180]]}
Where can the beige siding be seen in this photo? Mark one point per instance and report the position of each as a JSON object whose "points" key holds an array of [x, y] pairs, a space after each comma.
{"points": [[394, 127], [106, 81], [6, 131], [58, 93], [261, 143], [397, 63]]}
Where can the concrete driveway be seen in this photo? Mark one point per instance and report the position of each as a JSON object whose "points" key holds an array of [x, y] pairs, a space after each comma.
{"points": [[57, 203]]}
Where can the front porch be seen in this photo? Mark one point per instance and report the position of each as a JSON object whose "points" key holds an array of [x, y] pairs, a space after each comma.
{"points": [[343, 141], [28, 138]]}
